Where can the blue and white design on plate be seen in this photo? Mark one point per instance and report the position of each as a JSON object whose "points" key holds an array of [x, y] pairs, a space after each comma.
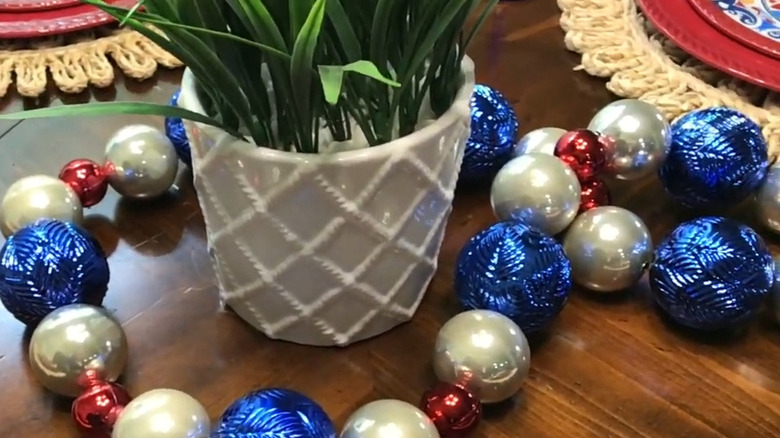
{"points": [[760, 16], [773, 7]]}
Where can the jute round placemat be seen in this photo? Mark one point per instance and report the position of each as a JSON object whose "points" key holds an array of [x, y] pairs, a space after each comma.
{"points": [[74, 61], [618, 43]]}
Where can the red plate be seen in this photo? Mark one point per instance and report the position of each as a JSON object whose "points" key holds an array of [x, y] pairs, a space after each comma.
{"points": [[34, 5], [38, 23], [682, 25], [742, 33]]}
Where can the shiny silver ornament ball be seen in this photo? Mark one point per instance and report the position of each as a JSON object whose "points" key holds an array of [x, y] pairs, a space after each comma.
{"points": [[540, 140], [636, 137], [768, 200], [163, 413], [75, 344], [141, 162], [537, 189], [389, 419], [38, 197], [483, 351], [610, 248]]}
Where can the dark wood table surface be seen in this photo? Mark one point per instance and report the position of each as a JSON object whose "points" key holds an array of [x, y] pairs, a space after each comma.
{"points": [[609, 367]]}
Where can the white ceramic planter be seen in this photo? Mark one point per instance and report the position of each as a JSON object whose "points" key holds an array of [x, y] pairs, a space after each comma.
{"points": [[327, 249]]}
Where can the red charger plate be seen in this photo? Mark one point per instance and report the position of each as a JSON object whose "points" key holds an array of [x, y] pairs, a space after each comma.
{"points": [[685, 27], [45, 22], [719, 19], [34, 5]]}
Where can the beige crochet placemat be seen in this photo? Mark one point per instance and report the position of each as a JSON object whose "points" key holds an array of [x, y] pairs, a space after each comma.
{"points": [[618, 43], [74, 61]]}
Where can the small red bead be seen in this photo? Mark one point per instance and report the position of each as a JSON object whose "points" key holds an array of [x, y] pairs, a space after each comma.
{"points": [[96, 410], [595, 193], [583, 151], [87, 179], [453, 409]]}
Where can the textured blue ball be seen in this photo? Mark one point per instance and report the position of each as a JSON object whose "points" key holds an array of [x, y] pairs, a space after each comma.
{"points": [[517, 271], [718, 157], [174, 129], [274, 412], [493, 130], [50, 264], [711, 273]]}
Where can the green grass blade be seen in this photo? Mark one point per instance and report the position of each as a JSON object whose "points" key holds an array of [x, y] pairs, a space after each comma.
{"points": [[133, 10], [261, 25], [425, 47], [299, 11], [116, 108], [301, 74], [347, 37], [332, 77], [207, 67], [379, 29], [159, 21], [210, 13], [260, 22]]}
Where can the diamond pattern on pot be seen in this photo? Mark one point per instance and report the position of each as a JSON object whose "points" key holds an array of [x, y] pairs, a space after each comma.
{"points": [[323, 250]]}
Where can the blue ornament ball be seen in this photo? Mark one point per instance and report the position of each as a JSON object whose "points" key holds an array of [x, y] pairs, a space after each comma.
{"points": [[711, 273], [718, 157], [50, 264], [174, 129], [493, 130], [515, 270], [274, 412]]}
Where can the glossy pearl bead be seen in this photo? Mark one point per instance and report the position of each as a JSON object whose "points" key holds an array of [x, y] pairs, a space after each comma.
{"points": [[538, 189], [389, 419], [38, 197], [483, 351], [163, 413], [141, 162], [609, 249], [636, 137], [73, 345]]}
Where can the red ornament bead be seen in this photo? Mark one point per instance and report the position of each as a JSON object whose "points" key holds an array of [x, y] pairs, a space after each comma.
{"points": [[454, 410], [87, 179], [583, 151], [96, 410], [594, 194]]}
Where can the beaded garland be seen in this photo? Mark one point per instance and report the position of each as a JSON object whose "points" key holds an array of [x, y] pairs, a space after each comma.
{"points": [[535, 265]]}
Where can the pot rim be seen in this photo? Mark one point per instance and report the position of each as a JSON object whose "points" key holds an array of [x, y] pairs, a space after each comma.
{"points": [[456, 113]]}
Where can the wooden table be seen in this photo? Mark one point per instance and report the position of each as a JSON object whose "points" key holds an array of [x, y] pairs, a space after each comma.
{"points": [[609, 367]]}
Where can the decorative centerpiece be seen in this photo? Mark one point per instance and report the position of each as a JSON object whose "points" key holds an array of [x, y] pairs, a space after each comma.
{"points": [[326, 141]]}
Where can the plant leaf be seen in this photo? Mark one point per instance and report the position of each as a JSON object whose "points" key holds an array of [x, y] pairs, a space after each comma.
{"points": [[415, 58], [332, 77], [301, 65], [114, 108], [163, 22], [299, 11], [344, 30], [132, 11], [379, 29], [210, 13], [259, 21]]}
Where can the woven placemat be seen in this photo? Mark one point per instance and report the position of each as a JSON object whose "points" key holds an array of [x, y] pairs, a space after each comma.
{"points": [[75, 61], [618, 43]]}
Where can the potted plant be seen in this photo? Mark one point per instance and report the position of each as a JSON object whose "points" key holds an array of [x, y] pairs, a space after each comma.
{"points": [[326, 136]]}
